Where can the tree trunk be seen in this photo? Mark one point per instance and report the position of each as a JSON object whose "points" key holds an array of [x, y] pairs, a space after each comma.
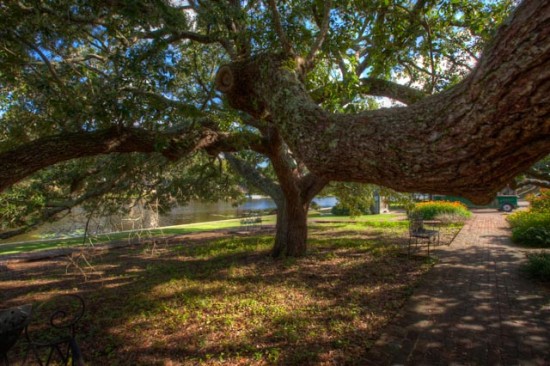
{"points": [[291, 229], [292, 196]]}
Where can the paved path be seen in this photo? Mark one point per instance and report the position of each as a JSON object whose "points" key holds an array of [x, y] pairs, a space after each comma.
{"points": [[474, 307]]}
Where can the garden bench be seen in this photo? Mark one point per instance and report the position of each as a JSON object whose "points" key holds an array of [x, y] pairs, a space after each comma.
{"points": [[251, 221]]}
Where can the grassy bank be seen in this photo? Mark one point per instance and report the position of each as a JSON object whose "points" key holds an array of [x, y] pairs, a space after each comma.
{"points": [[30, 246]]}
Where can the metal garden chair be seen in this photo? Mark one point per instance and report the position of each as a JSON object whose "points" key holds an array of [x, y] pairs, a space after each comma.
{"points": [[418, 231], [52, 339]]}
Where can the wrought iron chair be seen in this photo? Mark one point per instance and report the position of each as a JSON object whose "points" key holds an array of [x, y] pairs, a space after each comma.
{"points": [[53, 338], [12, 323], [417, 230]]}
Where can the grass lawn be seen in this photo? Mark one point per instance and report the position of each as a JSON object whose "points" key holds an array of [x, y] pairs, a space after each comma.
{"points": [[363, 218], [30, 246], [225, 301]]}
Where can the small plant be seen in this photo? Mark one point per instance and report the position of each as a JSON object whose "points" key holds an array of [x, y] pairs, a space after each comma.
{"points": [[538, 266], [532, 227], [441, 209]]}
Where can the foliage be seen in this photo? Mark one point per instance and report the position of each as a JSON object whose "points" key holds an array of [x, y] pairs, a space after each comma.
{"points": [[340, 210], [538, 266], [540, 203], [403, 200], [354, 199], [112, 185], [530, 228], [433, 209], [80, 66]]}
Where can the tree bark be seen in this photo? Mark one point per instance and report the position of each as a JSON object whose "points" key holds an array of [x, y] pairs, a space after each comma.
{"points": [[470, 140], [291, 229]]}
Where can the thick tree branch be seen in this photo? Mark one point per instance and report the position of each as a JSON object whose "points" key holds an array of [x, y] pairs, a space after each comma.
{"points": [[238, 141], [26, 159], [164, 37], [185, 108], [170, 37], [311, 185], [538, 174], [235, 26], [470, 140]]}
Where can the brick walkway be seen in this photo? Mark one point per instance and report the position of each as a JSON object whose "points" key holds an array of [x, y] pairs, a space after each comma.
{"points": [[474, 307]]}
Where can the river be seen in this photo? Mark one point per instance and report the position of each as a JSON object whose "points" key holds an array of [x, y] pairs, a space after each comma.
{"points": [[200, 212]]}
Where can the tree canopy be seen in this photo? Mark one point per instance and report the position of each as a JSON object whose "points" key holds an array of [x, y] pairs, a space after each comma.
{"points": [[174, 80], [538, 175]]}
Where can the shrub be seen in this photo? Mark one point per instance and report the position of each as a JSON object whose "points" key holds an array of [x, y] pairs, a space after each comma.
{"points": [[433, 209], [541, 203], [530, 228], [538, 266], [340, 210]]}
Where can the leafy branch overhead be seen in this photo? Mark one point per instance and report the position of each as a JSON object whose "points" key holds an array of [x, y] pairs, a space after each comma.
{"points": [[101, 77]]}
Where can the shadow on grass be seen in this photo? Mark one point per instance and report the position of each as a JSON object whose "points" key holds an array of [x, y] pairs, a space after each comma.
{"points": [[228, 301]]}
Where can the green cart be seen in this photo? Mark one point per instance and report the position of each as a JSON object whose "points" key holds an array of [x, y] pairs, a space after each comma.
{"points": [[503, 202]]}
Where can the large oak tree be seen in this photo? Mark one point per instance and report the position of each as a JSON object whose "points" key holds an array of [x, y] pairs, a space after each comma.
{"points": [[102, 77]]}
